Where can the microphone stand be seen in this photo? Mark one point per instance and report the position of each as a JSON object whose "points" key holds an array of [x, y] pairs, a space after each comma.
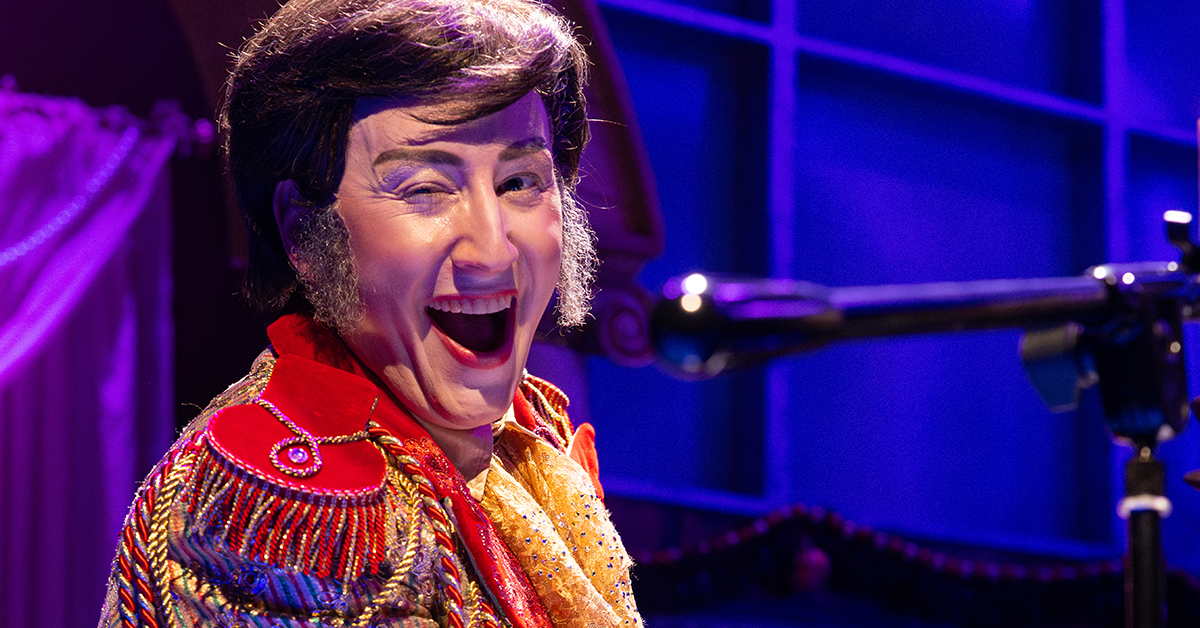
{"points": [[1119, 325]]}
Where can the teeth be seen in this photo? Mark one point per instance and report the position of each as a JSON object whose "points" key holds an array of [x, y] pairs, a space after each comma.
{"points": [[473, 306]]}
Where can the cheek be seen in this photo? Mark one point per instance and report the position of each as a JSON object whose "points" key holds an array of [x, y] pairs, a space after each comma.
{"points": [[546, 248], [386, 253]]}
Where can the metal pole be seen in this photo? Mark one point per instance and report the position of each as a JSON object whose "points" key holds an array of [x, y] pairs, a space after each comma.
{"points": [[1145, 506]]}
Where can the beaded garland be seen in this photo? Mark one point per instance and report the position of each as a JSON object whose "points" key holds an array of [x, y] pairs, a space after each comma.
{"points": [[781, 551]]}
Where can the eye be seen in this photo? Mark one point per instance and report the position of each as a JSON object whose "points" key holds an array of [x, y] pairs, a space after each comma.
{"points": [[422, 190], [424, 194], [525, 189], [517, 184]]}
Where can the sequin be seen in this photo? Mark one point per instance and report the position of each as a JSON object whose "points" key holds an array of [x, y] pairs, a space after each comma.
{"points": [[566, 568], [298, 455]]}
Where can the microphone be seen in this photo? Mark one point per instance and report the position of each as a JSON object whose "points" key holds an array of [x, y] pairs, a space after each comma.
{"points": [[1119, 326], [708, 323]]}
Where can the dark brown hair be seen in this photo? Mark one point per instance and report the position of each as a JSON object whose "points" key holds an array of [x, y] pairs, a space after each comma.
{"points": [[291, 95]]}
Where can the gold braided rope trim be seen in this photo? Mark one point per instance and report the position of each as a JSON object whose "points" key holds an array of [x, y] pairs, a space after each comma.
{"points": [[412, 538], [137, 607], [159, 519], [413, 500], [261, 518], [305, 438], [145, 531], [549, 392], [482, 613], [441, 518], [482, 600], [138, 576], [447, 567], [554, 410], [473, 611], [420, 493], [474, 603]]}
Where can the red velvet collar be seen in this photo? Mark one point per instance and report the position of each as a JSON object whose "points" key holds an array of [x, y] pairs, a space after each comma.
{"points": [[299, 335]]}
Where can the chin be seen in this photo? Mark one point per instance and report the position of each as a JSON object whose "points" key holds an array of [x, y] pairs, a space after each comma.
{"points": [[469, 397], [483, 357], [470, 414]]}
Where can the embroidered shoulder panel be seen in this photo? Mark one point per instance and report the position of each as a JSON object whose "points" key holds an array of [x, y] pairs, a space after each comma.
{"points": [[218, 537], [290, 479]]}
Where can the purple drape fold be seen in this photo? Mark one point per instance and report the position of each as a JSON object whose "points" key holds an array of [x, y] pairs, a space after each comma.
{"points": [[85, 343]]}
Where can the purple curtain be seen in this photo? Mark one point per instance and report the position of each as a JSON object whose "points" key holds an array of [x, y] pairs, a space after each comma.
{"points": [[85, 343]]}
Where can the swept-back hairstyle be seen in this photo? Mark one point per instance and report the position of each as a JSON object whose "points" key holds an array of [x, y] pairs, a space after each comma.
{"points": [[290, 99]]}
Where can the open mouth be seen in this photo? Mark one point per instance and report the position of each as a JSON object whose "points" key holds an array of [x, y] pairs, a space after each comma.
{"points": [[479, 325]]}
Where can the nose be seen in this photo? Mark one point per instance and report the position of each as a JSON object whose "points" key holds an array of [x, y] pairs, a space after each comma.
{"points": [[483, 244]]}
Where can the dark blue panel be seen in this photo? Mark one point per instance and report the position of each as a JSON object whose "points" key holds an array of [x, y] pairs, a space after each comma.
{"points": [[1163, 51], [672, 433], [1046, 45], [1162, 177], [701, 101], [899, 184], [941, 434], [758, 10]]}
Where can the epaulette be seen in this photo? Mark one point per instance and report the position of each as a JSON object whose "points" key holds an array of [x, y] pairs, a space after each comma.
{"points": [[290, 478], [550, 404]]}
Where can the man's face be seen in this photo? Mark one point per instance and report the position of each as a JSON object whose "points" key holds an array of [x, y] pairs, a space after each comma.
{"points": [[456, 237]]}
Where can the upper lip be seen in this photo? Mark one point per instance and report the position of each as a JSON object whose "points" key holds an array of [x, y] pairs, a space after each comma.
{"points": [[463, 304]]}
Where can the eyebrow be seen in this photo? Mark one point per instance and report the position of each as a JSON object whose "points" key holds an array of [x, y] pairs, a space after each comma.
{"points": [[516, 150]]}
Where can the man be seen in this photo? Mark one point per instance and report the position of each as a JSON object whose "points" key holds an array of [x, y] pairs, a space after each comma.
{"points": [[405, 168]]}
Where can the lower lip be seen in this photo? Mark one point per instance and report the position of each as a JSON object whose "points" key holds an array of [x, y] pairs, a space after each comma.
{"points": [[482, 361]]}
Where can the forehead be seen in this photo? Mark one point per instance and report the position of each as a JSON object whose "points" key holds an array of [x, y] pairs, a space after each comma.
{"points": [[380, 123]]}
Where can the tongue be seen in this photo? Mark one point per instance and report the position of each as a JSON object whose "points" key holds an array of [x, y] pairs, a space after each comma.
{"points": [[481, 333]]}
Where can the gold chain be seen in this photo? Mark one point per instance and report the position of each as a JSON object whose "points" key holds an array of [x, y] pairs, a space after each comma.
{"points": [[304, 448]]}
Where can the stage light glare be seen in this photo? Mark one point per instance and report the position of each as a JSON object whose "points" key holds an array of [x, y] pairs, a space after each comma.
{"points": [[1128, 278], [690, 302], [1100, 272], [695, 283], [1177, 216]]}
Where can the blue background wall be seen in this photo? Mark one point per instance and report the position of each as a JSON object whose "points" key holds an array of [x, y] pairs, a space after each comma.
{"points": [[861, 142], [839, 141]]}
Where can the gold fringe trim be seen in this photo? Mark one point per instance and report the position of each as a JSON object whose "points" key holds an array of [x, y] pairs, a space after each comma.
{"points": [[341, 534]]}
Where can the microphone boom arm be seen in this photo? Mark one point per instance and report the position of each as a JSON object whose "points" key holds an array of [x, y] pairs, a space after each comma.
{"points": [[1119, 325]]}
